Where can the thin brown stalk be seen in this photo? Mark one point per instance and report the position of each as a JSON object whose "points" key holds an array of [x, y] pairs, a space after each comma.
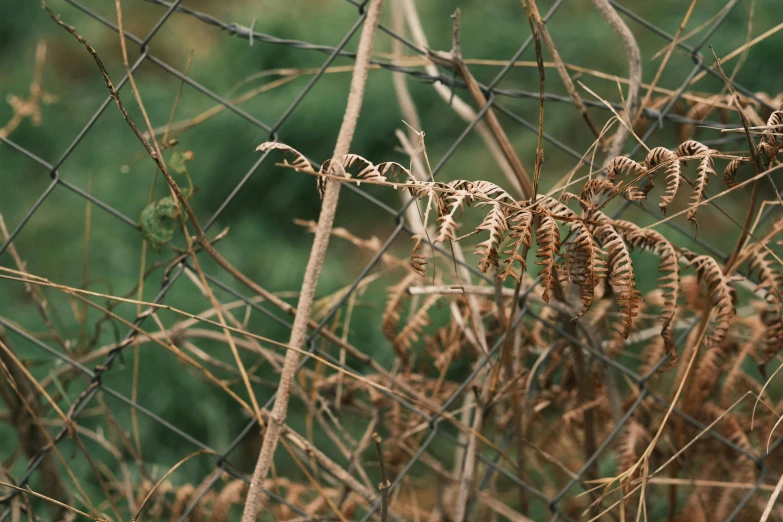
{"points": [[31, 437], [537, 27], [462, 109], [385, 484], [562, 71], [730, 264], [677, 36], [634, 71], [453, 60], [314, 264]]}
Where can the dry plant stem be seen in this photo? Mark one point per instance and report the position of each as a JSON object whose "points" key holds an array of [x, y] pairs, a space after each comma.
{"points": [[731, 264], [463, 274], [469, 466], [30, 436], [408, 109], [35, 293], [385, 484], [536, 28], [453, 60], [634, 71], [560, 66], [459, 106], [665, 60], [314, 264]]}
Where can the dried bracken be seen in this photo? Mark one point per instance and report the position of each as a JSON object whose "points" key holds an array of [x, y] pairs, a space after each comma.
{"points": [[495, 223], [660, 156], [521, 225], [621, 275], [704, 170], [548, 238], [723, 298]]}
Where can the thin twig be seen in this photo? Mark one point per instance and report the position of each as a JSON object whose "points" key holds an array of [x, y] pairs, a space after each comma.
{"points": [[384, 486], [634, 71], [453, 60]]}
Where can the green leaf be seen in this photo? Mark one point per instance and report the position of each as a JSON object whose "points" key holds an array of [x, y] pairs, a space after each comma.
{"points": [[158, 221], [177, 163]]}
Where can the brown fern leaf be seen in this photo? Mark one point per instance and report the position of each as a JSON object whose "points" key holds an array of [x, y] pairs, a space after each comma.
{"points": [[181, 499], [673, 172], [771, 286], [737, 381], [652, 354], [773, 335], [583, 258], [708, 372], [621, 275], [730, 172], [669, 282], [622, 165], [548, 239], [633, 438], [486, 189], [694, 148], [391, 170], [495, 223], [770, 144], [413, 329], [743, 469], [418, 261], [448, 225], [392, 313], [586, 266], [231, 494], [596, 192], [300, 163], [521, 225], [770, 279], [722, 295]]}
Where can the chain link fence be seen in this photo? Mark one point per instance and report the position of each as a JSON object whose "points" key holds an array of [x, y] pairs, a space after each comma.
{"points": [[100, 377]]}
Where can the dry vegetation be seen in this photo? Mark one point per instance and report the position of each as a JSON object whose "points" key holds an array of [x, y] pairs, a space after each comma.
{"points": [[543, 335]]}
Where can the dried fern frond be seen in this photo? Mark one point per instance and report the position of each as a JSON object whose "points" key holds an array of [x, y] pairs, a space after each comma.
{"points": [[300, 163], [632, 440], [770, 144], [548, 239], [771, 287], [392, 313], [708, 372], [730, 172], [737, 381], [495, 223], [673, 172], [669, 282], [583, 257], [694, 148], [770, 280], [488, 190], [413, 329], [722, 295], [622, 165], [232, 494], [596, 192], [417, 260], [454, 204], [521, 225], [621, 275], [585, 265]]}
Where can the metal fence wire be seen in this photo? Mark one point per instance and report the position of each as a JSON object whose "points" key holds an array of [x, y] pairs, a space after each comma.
{"points": [[100, 378]]}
